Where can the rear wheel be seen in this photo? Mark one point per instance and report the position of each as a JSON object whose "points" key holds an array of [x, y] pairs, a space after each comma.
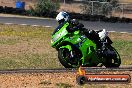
{"points": [[66, 58], [113, 60]]}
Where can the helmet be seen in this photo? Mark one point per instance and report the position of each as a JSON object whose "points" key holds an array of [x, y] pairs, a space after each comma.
{"points": [[62, 16]]}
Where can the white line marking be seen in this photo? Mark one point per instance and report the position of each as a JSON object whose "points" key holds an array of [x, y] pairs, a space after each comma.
{"points": [[124, 32], [35, 25], [23, 24], [8, 23], [47, 26], [111, 31]]}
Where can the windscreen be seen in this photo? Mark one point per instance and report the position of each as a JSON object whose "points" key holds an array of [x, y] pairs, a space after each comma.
{"points": [[58, 28]]}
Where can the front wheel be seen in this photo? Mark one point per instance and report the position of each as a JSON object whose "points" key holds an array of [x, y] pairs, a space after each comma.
{"points": [[67, 59]]}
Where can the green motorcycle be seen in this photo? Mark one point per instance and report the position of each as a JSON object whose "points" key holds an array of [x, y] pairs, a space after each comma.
{"points": [[75, 49]]}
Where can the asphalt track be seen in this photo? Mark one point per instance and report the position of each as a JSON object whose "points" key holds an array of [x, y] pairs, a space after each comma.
{"points": [[118, 27]]}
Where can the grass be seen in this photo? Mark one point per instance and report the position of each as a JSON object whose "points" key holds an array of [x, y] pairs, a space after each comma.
{"points": [[123, 44], [64, 85], [26, 47], [29, 47], [45, 83]]}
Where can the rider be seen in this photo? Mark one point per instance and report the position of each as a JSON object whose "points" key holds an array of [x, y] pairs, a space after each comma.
{"points": [[74, 25]]}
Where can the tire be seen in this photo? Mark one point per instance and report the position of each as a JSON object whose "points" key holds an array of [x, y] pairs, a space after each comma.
{"points": [[117, 59], [81, 80], [65, 60]]}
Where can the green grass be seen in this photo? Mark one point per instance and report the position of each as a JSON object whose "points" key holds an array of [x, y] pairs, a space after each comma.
{"points": [[29, 47], [125, 50], [123, 44]]}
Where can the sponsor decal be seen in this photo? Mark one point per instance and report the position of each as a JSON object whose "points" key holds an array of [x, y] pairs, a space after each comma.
{"points": [[83, 77]]}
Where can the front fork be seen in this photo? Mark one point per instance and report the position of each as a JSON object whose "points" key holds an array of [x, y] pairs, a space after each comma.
{"points": [[67, 47], [70, 49], [82, 62], [72, 54]]}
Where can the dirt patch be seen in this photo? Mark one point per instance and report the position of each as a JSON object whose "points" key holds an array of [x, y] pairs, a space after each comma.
{"points": [[125, 1], [71, 7], [36, 80], [52, 80], [128, 15], [120, 36]]}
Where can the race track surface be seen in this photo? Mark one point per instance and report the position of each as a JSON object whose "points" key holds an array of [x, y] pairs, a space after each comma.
{"points": [[118, 27]]}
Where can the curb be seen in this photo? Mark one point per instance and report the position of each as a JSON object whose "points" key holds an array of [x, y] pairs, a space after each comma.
{"points": [[51, 27], [27, 25]]}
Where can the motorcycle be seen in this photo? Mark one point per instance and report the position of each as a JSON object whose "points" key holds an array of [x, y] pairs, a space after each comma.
{"points": [[76, 49]]}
